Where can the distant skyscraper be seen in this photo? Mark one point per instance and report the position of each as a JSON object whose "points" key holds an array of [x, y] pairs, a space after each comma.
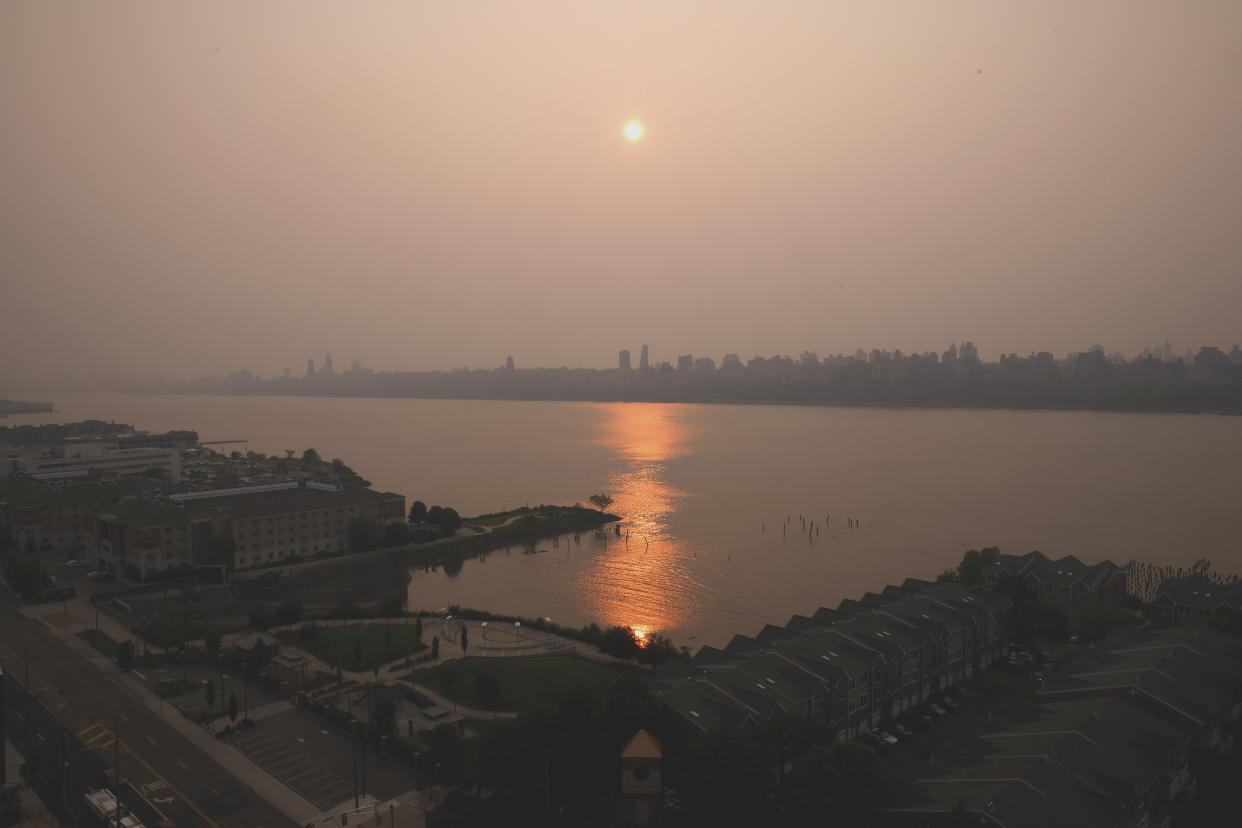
{"points": [[623, 360], [286, 372], [310, 367], [327, 364], [642, 360], [684, 363], [509, 363]]}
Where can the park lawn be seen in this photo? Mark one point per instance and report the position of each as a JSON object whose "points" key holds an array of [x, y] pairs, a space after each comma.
{"points": [[380, 644], [494, 519], [100, 640], [526, 682]]}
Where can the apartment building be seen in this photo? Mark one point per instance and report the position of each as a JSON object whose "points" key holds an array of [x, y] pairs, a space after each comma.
{"points": [[148, 536], [59, 517], [277, 522]]}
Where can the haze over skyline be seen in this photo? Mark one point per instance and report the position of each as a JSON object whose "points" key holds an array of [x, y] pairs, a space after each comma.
{"points": [[193, 190]]}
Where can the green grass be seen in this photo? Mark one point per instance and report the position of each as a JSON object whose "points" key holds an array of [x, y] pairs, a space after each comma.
{"points": [[100, 640], [526, 683], [380, 644], [492, 520]]}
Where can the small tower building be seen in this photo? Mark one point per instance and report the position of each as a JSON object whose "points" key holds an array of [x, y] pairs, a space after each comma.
{"points": [[640, 778]]}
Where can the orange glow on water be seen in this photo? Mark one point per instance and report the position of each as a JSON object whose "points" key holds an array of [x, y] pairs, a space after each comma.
{"points": [[643, 580]]}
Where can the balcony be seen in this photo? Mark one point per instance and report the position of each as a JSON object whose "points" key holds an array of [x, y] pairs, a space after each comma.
{"points": [[1175, 782]]}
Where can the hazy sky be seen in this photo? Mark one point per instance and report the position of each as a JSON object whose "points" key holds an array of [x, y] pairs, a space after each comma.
{"points": [[192, 188]]}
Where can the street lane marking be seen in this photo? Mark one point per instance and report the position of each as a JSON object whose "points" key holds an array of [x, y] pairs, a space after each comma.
{"points": [[149, 739], [183, 767], [189, 802], [139, 675]]}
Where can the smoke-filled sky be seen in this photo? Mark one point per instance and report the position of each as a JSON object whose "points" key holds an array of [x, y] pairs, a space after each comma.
{"points": [[193, 188]]}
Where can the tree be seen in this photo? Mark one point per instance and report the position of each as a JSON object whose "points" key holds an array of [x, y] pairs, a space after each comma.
{"points": [[601, 500], [619, 642], [450, 520], [435, 515], [656, 650], [232, 707], [125, 655], [435, 648], [259, 656], [23, 574], [447, 750], [210, 689], [396, 534], [464, 640], [290, 612], [418, 511], [384, 716], [970, 570], [364, 534], [211, 642], [418, 628], [310, 456], [261, 619], [836, 779], [391, 606]]}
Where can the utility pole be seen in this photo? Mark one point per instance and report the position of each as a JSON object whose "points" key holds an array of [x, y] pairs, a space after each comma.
{"points": [[29, 698], [116, 766], [64, 766], [353, 766]]}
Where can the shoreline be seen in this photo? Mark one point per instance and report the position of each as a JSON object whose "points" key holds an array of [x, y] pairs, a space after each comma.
{"points": [[651, 400]]}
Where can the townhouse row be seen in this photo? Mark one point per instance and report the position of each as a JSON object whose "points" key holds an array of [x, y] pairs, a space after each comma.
{"points": [[850, 668], [1108, 741]]}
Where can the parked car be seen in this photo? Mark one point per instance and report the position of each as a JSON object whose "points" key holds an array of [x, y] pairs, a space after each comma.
{"points": [[73, 563], [887, 737], [873, 739], [901, 730], [946, 701], [100, 575], [937, 709]]}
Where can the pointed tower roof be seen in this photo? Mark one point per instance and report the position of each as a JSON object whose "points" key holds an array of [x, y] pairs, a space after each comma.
{"points": [[642, 745]]}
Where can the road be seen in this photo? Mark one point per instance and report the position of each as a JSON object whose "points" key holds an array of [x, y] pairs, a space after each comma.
{"points": [[185, 784]]}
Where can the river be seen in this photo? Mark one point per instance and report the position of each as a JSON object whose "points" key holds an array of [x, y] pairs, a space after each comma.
{"points": [[714, 496]]}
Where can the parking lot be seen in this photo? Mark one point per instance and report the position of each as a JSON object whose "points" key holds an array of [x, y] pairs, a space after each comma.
{"points": [[316, 760], [291, 764], [194, 702]]}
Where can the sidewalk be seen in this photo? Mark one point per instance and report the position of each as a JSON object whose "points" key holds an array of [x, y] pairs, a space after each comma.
{"points": [[34, 813], [67, 624]]}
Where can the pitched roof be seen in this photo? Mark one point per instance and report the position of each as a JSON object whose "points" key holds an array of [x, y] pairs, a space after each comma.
{"points": [[642, 745]]}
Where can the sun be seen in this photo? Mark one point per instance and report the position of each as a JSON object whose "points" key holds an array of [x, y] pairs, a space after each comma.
{"points": [[633, 130]]}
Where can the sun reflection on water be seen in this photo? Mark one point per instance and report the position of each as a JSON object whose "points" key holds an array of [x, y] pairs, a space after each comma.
{"points": [[644, 578]]}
